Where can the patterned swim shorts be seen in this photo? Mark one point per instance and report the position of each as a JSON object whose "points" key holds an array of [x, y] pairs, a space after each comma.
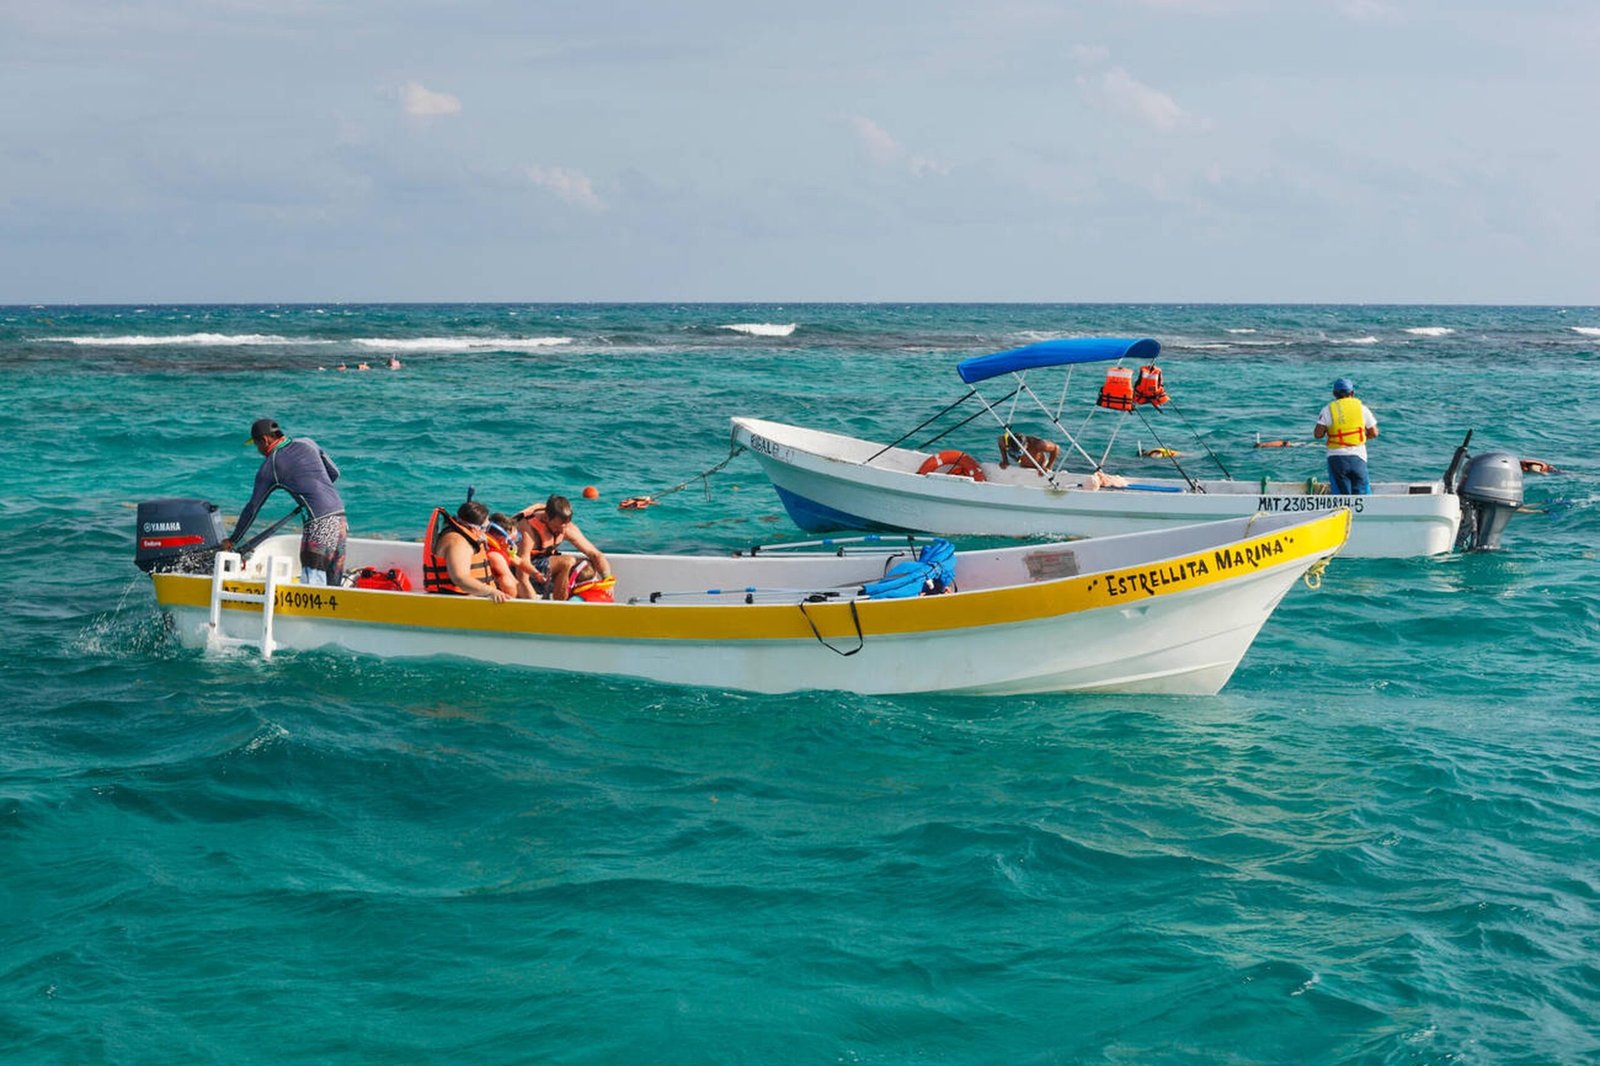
{"points": [[322, 545]]}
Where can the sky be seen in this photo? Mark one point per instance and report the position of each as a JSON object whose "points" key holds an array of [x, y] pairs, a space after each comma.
{"points": [[1362, 151]]}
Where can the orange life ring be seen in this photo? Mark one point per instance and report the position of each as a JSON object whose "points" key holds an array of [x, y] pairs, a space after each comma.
{"points": [[960, 464]]}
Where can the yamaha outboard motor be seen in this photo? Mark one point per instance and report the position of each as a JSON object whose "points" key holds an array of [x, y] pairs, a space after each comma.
{"points": [[176, 535], [1491, 492]]}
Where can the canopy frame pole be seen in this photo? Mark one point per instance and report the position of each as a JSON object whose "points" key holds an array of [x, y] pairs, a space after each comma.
{"points": [[1065, 432], [971, 392], [1061, 405], [1050, 475], [976, 414], [1005, 426], [1016, 398], [1113, 438]]}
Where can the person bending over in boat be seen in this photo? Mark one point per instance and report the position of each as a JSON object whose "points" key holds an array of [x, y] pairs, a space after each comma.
{"points": [[1035, 453], [1347, 425], [455, 561], [512, 572], [303, 470], [544, 528]]}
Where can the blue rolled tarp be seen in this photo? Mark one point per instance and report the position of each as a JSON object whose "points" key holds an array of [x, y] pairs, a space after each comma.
{"points": [[933, 571], [1060, 352]]}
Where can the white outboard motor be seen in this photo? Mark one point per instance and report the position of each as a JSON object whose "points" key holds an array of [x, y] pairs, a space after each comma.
{"points": [[1490, 491]]}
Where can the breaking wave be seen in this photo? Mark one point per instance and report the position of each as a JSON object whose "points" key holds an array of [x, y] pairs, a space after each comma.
{"points": [[1587, 331], [1430, 331], [763, 329], [146, 341], [460, 344]]}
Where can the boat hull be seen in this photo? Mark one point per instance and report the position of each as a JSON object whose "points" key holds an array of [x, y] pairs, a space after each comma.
{"points": [[1154, 621], [830, 482]]}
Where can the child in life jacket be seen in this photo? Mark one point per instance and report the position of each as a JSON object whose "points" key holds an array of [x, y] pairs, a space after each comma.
{"points": [[512, 572]]}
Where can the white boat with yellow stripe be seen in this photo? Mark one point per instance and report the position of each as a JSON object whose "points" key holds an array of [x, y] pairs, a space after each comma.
{"points": [[1171, 611]]}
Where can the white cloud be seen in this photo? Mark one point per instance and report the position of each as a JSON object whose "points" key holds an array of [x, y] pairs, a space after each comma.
{"points": [[573, 186], [422, 102], [1120, 91], [882, 148]]}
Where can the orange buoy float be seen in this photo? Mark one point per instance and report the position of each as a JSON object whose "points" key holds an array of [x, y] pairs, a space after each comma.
{"points": [[954, 462], [590, 492]]}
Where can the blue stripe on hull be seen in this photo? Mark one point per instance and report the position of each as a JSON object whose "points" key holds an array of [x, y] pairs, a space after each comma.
{"points": [[814, 517]]}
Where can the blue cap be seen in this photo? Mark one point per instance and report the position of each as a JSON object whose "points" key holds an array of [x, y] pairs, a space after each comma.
{"points": [[1342, 386]]}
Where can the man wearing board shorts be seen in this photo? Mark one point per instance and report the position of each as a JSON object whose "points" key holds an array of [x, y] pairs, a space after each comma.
{"points": [[302, 469]]}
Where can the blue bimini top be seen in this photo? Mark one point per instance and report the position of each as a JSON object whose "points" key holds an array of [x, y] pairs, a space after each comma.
{"points": [[1060, 352]]}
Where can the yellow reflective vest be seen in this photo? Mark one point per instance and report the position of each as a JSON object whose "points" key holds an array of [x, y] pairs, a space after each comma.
{"points": [[1347, 426]]}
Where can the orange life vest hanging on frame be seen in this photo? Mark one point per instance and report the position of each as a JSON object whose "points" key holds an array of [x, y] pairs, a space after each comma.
{"points": [[1117, 393], [1148, 389]]}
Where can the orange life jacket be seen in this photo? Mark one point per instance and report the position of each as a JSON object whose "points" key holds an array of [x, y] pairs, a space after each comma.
{"points": [[548, 540], [1117, 392], [435, 571], [1148, 388], [494, 545], [1346, 424]]}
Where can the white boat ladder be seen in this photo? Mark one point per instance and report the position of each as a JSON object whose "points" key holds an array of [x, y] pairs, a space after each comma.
{"points": [[230, 567]]}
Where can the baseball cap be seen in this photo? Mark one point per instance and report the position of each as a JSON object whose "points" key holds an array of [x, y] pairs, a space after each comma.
{"points": [[1344, 385], [261, 429]]}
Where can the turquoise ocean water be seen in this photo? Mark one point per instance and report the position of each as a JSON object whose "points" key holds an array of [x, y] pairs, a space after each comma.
{"points": [[1380, 843]]}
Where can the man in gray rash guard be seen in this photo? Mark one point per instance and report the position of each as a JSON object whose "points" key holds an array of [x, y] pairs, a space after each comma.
{"points": [[304, 470]]}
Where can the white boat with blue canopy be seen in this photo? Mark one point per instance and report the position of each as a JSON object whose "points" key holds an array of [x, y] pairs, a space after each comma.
{"points": [[830, 481]]}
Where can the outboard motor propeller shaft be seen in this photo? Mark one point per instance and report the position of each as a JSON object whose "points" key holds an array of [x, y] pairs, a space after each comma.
{"points": [[1491, 492]]}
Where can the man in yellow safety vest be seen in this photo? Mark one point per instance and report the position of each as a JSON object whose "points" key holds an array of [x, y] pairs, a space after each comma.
{"points": [[1347, 425]]}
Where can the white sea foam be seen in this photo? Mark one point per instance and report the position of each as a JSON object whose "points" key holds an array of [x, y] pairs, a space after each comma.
{"points": [[1587, 331], [763, 329], [1369, 339], [460, 344], [1430, 331], [1242, 329], [213, 339]]}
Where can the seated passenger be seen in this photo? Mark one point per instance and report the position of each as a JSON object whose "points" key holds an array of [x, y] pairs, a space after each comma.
{"points": [[1036, 453], [512, 572], [455, 558], [544, 527]]}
